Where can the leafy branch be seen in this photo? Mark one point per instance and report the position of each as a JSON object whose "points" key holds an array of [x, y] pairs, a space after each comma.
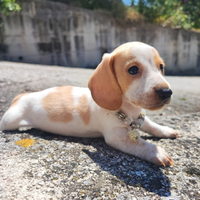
{"points": [[7, 6]]}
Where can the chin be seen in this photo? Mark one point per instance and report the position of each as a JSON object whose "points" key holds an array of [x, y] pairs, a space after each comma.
{"points": [[157, 106]]}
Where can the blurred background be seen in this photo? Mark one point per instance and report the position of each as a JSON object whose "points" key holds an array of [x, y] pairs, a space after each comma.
{"points": [[76, 33]]}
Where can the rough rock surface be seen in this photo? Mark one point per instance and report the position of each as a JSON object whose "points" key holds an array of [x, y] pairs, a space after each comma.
{"points": [[58, 167]]}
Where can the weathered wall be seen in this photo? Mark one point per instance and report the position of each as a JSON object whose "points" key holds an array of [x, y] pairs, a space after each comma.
{"points": [[57, 34]]}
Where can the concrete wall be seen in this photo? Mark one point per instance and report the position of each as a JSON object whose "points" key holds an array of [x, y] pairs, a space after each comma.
{"points": [[57, 34]]}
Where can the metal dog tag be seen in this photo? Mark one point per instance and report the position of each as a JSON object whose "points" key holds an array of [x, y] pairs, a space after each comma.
{"points": [[134, 135]]}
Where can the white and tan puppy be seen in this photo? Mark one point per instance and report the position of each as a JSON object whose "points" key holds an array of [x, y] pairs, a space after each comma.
{"points": [[129, 78]]}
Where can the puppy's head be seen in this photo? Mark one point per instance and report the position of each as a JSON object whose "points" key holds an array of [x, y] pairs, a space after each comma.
{"points": [[135, 71]]}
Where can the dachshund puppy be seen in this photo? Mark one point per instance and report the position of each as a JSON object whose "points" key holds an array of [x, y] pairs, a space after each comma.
{"points": [[127, 80]]}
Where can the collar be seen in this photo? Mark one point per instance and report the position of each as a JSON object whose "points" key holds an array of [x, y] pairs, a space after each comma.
{"points": [[133, 125]]}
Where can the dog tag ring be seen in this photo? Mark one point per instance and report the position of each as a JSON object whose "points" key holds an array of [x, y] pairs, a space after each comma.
{"points": [[133, 126]]}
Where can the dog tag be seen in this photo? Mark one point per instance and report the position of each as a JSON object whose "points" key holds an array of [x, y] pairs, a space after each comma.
{"points": [[134, 135]]}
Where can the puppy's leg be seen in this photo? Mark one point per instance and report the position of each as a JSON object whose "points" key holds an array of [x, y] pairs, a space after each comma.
{"points": [[13, 119], [119, 139], [158, 130]]}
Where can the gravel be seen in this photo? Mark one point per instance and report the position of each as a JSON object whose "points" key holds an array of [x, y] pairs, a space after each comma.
{"points": [[58, 167]]}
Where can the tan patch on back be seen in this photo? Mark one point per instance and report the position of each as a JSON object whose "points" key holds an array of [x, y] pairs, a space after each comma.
{"points": [[16, 99], [83, 109], [59, 104]]}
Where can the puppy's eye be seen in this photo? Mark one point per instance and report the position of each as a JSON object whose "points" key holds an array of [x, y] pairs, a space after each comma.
{"points": [[133, 70], [161, 67]]}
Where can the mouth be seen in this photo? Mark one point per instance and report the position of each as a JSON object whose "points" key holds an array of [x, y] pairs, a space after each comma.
{"points": [[158, 105], [167, 101]]}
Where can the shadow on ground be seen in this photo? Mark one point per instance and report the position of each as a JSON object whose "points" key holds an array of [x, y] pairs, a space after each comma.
{"points": [[124, 168]]}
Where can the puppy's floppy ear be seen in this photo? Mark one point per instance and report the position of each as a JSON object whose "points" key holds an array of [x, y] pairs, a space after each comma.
{"points": [[103, 85]]}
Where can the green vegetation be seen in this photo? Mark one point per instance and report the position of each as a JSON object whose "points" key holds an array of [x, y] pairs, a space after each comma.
{"points": [[115, 7], [7, 6], [173, 13]]}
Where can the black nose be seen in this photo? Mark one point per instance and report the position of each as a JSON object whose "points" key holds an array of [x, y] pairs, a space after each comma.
{"points": [[164, 94]]}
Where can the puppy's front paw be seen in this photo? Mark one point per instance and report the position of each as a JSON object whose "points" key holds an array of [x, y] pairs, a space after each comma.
{"points": [[165, 132], [168, 132], [159, 156]]}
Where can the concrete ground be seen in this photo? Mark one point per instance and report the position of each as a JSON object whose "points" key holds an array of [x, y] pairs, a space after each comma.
{"points": [[58, 167]]}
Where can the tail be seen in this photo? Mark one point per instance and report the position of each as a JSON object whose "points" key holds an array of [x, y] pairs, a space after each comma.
{"points": [[12, 118]]}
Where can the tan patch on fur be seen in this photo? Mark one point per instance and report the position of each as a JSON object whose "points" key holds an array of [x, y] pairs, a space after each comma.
{"points": [[83, 109], [59, 104], [158, 60], [124, 78], [103, 85], [16, 99], [123, 61]]}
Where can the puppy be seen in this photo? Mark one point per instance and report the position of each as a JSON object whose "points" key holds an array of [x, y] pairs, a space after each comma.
{"points": [[128, 79]]}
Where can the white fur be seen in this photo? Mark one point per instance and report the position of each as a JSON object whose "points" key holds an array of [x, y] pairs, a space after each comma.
{"points": [[29, 111]]}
